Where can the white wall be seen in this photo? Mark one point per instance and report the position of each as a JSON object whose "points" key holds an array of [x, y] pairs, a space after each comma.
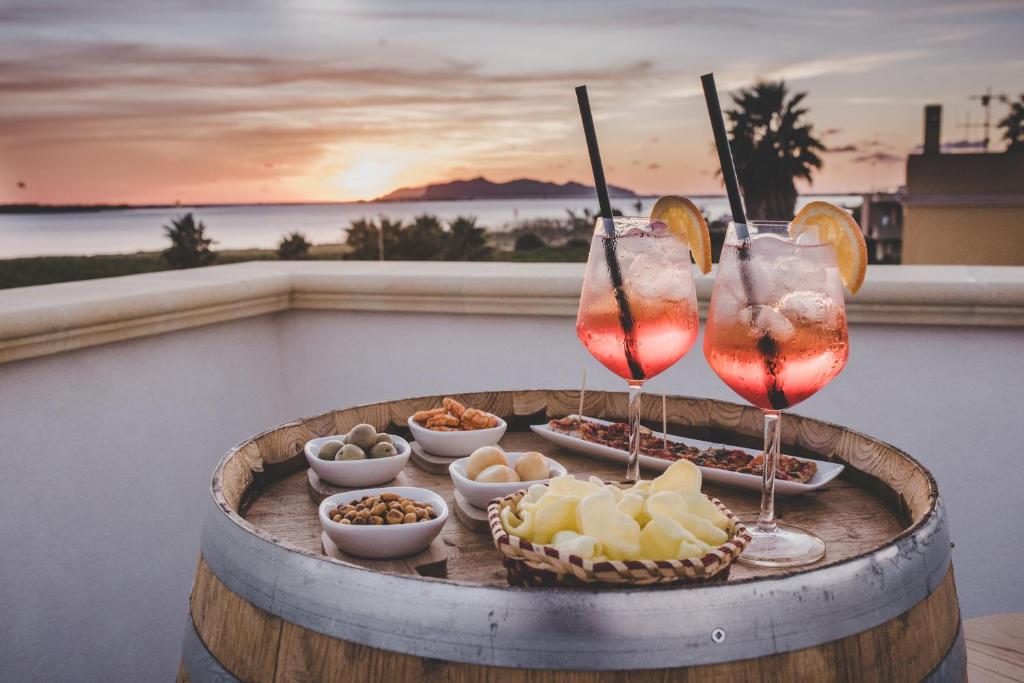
{"points": [[107, 455], [107, 451]]}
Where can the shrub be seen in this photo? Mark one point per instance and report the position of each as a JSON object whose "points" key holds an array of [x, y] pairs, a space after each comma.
{"points": [[190, 247], [464, 241], [577, 243], [529, 241], [293, 247]]}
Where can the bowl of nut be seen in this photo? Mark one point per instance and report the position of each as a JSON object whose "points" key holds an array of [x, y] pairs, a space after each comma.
{"points": [[362, 457], [454, 430], [379, 523], [491, 473]]}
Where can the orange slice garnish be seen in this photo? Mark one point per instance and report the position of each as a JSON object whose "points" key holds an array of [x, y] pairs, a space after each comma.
{"points": [[836, 227], [687, 223]]}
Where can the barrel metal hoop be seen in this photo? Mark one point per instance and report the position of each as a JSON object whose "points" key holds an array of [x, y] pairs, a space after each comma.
{"points": [[576, 629], [953, 666], [199, 662]]}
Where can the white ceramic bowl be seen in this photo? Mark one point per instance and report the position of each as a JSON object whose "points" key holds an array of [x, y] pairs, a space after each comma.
{"points": [[384, 540], [479, 494], [455, 444], [369, 472]]}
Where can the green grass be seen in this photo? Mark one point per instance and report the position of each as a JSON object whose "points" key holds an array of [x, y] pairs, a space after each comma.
{"points": [[44, 270]]}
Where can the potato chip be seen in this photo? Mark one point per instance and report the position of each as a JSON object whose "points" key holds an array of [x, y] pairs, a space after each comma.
{"points": [[521, 525], [699, 504], [631, 504], [689, 551], [682, 475], [560, 515], [666, 503], [569, 485], [702, 529], [660, 539], [586, 547], [618, 534]]}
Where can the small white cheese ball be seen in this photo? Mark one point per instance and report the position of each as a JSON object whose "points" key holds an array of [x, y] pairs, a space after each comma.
{"points": [[482, 458], [497, 474], [532, 466]]}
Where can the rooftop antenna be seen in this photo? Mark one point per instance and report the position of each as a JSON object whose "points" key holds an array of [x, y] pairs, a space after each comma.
{"points": [[986, 101]]}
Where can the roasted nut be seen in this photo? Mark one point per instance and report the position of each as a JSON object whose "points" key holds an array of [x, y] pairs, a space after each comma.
{"points": [[350, 515], [336, 518], [394, 505], [409, 518], [371, 502], [380, 509], [374, 520], [453, 407], [363, 514], [344, 521], [421, 513], [359, 520], [445, 429], [390, 497], [395, 516]]}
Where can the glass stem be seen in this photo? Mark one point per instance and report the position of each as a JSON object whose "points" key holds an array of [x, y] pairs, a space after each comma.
{"points": [[772, 433], [633, 463]]}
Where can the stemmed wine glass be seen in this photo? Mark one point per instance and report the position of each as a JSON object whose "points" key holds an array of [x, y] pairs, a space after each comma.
{"points": [[776, 334], [638, 308]]}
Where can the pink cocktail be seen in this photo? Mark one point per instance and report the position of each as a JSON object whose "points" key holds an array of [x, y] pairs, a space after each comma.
{"points": [[642, 327]]}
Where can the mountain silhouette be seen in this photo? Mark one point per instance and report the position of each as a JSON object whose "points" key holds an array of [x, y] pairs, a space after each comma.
{"points": [[481, 188]]}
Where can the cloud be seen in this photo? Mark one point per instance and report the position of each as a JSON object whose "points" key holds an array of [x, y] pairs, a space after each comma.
{"points": [[878, 158], [653, 167], [848, 64], [842, 149], [831, 131]]}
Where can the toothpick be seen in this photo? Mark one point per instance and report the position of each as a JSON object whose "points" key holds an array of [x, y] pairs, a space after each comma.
{"points": [[664, 421], [583, 392]]}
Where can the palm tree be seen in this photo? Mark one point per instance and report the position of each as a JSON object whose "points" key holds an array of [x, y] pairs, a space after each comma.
{"points": [[1013, 126], [466, 241], [190, 247], [773, 147]]}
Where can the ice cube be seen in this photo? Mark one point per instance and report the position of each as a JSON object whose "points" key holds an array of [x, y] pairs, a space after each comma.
{"points": [[751, 281], [794, 273], [764, 320], [804, 307], [662, 283]]}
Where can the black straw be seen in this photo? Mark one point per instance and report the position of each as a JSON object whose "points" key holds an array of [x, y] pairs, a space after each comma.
{"points": [[614, 272], [732, 185], [595, 157]]}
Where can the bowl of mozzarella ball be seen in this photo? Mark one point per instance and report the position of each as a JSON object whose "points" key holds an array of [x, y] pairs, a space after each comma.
{"points": [[489, 472]]}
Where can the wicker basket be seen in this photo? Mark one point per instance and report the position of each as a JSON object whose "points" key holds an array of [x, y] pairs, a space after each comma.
{"points": [[544, 565]]}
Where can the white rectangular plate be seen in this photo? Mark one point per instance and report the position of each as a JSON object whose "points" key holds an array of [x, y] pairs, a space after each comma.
{"points": [[827, 471]]}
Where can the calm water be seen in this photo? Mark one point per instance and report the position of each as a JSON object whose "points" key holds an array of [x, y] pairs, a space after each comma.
{"points": [[246, 226]]}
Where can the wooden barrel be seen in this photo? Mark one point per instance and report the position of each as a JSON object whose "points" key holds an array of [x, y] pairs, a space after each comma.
{"points": [[268, 605]]}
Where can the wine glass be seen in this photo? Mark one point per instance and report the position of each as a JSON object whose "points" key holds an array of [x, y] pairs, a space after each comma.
{"points": [[638, 308], [776, 334]]}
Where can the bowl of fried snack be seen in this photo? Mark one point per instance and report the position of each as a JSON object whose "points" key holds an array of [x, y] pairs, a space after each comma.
{"points": [[455, 430], [379, 523]]}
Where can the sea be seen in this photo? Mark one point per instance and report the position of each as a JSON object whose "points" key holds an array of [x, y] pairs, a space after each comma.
{"points": [[244, 226]]}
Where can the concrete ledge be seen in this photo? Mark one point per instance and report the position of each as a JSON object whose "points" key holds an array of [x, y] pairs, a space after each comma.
{"points": [[38, 321]]}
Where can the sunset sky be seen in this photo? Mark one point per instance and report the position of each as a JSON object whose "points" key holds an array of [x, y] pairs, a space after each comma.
{"points": [[324, 100]]}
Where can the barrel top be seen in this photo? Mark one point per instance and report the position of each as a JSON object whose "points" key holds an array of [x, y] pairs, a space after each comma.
{"points": [[883, 495]]}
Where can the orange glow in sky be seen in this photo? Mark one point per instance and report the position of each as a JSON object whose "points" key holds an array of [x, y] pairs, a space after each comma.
{"points": [[316, 100]]}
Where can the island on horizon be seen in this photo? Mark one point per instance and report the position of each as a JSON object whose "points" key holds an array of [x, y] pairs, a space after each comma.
{"points": [[482, 188]]}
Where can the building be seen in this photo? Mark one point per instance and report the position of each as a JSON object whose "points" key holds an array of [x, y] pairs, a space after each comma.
{"points": [[962, 208]]}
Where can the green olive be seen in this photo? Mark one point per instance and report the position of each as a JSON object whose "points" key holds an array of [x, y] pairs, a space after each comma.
{"points": [[383, 450], [363, 435], [330, 449], [351, 452]]}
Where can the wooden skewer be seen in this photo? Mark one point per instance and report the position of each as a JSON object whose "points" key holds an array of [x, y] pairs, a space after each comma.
{"points": [[664, 421], [583, 391]]}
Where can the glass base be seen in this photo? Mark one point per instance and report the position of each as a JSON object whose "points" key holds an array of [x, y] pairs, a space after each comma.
{"points": [[787, 546]]}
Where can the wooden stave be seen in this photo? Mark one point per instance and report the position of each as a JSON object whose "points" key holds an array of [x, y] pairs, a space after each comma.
{"points": [[929, 533], [914, 646]]}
